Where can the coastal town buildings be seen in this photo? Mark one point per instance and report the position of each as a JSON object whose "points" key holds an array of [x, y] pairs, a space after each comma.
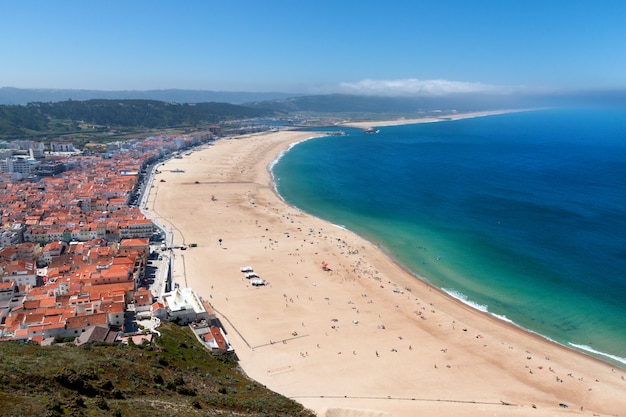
{"points": [[74, 246], [59, 146]]}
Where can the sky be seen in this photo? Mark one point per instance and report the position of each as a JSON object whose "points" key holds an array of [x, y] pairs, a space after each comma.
{"points": [[315, 46]]}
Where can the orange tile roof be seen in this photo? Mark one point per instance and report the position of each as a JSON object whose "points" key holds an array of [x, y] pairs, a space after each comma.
{"points": [[111, 288], [31, 304], [5, 286], [113, 307], [87, 320], [33, 318]]}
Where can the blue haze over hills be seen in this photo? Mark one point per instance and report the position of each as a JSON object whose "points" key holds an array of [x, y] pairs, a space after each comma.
{"points": [[345, 104], [22, 96]]}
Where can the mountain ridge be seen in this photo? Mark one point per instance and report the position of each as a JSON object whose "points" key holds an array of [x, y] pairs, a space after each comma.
{"points": [[23, 96]]}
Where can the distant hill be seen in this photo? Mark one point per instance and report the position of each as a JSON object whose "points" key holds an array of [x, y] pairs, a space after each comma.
{"points": [[359, 104], [46, 115], [379, 106], [67, 116], [21, 96]]}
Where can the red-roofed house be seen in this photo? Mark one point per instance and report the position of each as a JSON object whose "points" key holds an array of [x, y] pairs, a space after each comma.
{"points": [[143, 299], [8, 254], [8, 290], [78, 324], [216, 341], [22, 272], [157, 309], [111, 275], [51, 250], [115, 311], [27, 251]]}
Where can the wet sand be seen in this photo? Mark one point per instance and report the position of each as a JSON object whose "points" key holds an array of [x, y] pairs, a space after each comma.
{"points": [[363, 337]]}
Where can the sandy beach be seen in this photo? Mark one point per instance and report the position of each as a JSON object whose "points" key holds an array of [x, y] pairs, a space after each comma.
{"points": [[362, 337], [430, 119]]}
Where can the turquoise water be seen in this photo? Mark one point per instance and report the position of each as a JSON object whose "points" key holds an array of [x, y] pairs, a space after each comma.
{"points": [[522, 215]]}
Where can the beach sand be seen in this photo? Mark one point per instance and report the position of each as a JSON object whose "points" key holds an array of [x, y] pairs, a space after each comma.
{"points": [[429, 119], [364, 338]]}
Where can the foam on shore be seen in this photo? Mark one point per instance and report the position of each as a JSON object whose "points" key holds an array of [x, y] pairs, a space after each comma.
{"points": [[597, 352]]}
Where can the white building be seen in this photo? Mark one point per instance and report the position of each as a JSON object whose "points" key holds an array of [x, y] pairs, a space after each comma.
{"points": [[185, 305], [62, 147], [11, 236], [18, 164]]}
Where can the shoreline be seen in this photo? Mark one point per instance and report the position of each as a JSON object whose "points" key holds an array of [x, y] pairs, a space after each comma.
{"points": [[586, 350], [387, 318]]}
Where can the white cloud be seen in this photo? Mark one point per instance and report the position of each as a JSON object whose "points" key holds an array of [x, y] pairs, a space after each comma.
{"points": [[416, 87]]}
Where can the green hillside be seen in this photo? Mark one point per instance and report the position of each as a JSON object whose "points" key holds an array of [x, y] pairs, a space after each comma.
{"points": [[173, 376], [66, 117]]}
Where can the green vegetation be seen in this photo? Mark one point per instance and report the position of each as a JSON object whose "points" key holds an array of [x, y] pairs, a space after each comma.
{"points": [[174, 375], [93, 117]]}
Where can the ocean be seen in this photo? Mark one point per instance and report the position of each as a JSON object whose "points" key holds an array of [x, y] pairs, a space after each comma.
{"points": [[522, 215]]}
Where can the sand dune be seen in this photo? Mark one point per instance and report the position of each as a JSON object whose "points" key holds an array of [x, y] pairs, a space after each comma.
{"points": [[365, 337], [434, 118]]}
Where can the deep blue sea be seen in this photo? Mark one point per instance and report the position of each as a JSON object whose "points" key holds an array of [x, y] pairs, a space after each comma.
{"points": [[522, 215]]}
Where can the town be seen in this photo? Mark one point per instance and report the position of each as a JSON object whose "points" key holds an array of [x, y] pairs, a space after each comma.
{"points": [[80, 262]]}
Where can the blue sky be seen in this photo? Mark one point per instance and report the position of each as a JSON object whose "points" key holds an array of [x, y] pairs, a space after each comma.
{"points": [[315, 46]]}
